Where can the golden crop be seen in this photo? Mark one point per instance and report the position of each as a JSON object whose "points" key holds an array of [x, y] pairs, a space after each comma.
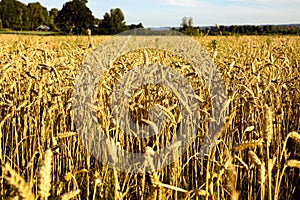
{"points": [[256, 155]]}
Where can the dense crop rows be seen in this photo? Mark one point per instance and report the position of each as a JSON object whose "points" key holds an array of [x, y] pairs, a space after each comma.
{"points": [[256, 155]]}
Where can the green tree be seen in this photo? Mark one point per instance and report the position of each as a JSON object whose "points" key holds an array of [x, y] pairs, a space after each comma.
{"points": [[14, 14], [75, 17], [38, 15], [191, 22], [113, 22], [1, 16], [184, 23], [134, 26], [53, 13], [187, 28]]}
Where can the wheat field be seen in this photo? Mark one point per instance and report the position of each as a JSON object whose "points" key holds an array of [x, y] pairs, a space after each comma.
{"points": [[256, 154]]}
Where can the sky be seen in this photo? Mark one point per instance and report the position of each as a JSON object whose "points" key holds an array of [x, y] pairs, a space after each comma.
{"points": [[161, 13]]}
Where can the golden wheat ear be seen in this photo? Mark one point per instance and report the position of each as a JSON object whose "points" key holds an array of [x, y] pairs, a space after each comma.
{"points": [[70, 195], [295, 136], [254, 158], [44, 175], [14, 179], [249, 145], [268, 135], [293, 163]]}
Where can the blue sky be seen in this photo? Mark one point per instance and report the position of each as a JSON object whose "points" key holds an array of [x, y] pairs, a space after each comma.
{"points": [[157, 13]]}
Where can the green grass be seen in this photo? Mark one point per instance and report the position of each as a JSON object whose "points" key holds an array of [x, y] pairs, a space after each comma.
{"points": [[43, 33]]}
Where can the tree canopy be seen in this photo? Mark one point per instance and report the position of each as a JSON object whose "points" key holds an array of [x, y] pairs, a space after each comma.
{"points": [[113, 22], [14, 14], [75, 17], [187, 27], [38, 15]]}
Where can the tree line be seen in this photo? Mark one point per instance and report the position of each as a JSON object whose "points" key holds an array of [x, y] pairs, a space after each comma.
{"points": [[74, 18], [187, 28], [254, 30]]}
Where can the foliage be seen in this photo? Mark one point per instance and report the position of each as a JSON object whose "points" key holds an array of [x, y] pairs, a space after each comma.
{"points": [[38, 15], [113, 22], [74, 18], [14, 14], [134, 26], [187, 26], [53, 14], [254, 30]]}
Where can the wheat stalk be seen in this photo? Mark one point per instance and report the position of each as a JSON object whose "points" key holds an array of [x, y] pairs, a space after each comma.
{"points": [[155, 182], [118, 193], [268, 135], [263, 179]]}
